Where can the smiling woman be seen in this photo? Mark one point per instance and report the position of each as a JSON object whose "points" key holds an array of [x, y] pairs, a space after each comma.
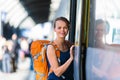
{"points": [[62, 68]]}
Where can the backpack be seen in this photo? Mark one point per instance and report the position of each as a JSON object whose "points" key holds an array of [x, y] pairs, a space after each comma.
{"points": [[38, 53]]}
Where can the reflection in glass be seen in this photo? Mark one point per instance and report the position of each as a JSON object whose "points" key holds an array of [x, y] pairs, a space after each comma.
{"points": [[103, 61]]}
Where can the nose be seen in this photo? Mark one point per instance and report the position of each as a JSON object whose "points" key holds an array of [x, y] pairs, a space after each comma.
{"points": [[62, 29]]}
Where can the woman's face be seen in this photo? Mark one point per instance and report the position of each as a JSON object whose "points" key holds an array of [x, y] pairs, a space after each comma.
{"points": [[61, 29], [100, 31]]}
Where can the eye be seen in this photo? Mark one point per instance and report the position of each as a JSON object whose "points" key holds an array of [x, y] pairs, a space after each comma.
{"points": [[65, 27], [59, 27]]}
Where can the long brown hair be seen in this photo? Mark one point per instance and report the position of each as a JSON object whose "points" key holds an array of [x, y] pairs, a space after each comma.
{"points": [[63, 19]]}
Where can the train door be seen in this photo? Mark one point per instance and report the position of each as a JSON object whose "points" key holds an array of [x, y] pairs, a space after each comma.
{"points": [[102, 52], [79, 23], [77, 56], [81, 40]]}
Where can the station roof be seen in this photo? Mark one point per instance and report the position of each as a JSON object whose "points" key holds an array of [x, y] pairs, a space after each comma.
{"points": [[38, 9], [28, 12]]}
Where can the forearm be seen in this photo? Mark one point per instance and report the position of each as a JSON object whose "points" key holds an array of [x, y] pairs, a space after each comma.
{"points": [[61, 69]]}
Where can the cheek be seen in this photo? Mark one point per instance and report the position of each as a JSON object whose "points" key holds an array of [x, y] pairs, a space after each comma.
{"points": [[56, 30], [66, 30]]}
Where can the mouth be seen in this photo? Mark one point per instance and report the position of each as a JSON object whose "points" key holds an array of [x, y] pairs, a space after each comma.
{"points": [[62, 33]]}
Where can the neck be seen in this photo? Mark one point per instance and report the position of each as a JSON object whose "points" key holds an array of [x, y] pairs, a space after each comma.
{"points": [[100, 44], [59, 41], [61, 44]]}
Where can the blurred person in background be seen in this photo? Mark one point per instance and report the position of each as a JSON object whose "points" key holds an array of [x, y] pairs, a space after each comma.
{"points": [[16, 48], [2, 43], [6, 60], [24, 46], [10, 47], [24, 55], [23, 62]]}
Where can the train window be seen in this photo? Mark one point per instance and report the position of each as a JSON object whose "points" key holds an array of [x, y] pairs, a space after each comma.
{"points": [[103, 59], [116, 36], [109, 12]]}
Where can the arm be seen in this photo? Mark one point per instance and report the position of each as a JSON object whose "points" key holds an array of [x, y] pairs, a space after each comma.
{"points": [[58, 70]]}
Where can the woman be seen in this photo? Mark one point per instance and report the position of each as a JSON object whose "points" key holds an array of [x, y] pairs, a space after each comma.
{"points": [[106, 63], [100, 31], [64, 71]]}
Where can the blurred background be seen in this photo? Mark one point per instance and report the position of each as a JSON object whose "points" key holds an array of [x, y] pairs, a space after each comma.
{"points": [[21, 22]]}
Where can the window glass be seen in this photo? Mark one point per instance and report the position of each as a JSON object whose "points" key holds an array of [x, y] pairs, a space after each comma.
{"points": [[103, 60]]}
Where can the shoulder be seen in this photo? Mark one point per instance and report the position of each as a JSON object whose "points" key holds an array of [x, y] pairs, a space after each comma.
{"points": [[51, 52], [50, 47]]}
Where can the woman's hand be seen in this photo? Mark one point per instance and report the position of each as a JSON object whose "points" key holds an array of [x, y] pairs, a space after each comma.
{"points": [[72, 52]]}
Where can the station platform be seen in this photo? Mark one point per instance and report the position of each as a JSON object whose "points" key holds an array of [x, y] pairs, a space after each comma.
{"points": [[19, 75]]}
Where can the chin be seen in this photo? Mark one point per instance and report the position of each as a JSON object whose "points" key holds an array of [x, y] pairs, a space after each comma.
{"points": [[62, 36]]}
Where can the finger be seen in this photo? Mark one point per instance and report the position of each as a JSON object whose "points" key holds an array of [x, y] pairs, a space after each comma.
{"points": [[72, 47]]}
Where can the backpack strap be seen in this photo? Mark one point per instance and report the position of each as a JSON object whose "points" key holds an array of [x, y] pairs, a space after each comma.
{"points": [[40, 53], [40, 74]]}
